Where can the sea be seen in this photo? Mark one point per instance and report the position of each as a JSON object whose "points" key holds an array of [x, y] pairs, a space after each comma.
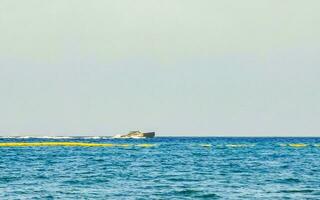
{"points": [[161, 168]]}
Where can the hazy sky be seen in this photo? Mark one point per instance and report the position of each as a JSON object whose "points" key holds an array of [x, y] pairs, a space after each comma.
{"points": [[178, 67]]}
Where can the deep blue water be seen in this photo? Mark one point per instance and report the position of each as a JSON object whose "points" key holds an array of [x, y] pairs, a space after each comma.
{"points": [[176, 168]]}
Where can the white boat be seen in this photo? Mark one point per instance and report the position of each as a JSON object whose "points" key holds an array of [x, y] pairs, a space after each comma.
{"points": [[136, 134]]}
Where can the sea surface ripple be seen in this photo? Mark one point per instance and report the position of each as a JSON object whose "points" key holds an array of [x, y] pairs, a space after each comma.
{"points": [[174, 168]]}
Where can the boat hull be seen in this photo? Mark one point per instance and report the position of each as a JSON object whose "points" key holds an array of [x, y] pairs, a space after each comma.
{"points": [[136, 134], [149, 134]]}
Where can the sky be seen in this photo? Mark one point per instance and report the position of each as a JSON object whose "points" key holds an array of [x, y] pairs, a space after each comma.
{"points": [[177, 67]]}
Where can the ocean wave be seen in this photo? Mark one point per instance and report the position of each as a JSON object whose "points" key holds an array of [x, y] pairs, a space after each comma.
{"points": [[55, 137], [16, 137], [94, 137]]}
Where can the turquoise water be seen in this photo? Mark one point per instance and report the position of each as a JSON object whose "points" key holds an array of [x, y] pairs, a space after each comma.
{"points": [[176, 168]]}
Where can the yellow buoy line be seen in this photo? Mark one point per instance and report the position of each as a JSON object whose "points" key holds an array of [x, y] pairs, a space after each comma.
{"points": [[84, 144], [69, 144], [296, 145], [206, 145]]}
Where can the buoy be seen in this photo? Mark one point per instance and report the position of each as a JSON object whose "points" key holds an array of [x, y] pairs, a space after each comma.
{"points": [[298, 145], [206, 145]]}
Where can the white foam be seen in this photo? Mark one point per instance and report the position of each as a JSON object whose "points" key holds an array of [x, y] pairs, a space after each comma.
{"points": [[92, 137]]}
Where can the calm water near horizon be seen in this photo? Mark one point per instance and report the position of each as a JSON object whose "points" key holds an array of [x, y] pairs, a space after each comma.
{"points": [[175, 168]]}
